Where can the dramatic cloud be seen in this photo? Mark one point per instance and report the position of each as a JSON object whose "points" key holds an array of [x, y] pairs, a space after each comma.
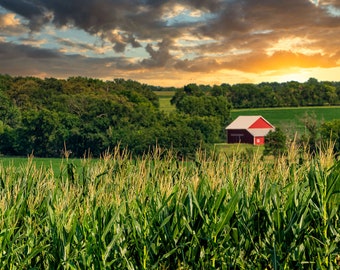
{"points": [[10, 25], [155, 41]]}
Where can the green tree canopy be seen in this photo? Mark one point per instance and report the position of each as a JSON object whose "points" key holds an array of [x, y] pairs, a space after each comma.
{"points": [[330, 131], [275, 143]]}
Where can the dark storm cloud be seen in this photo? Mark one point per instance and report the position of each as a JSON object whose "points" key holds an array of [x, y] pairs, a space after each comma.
{"points": [[27, 9], [246, 16], [160, 57], [93, 16], [132, 19], [27, 60], [240, 30], [143, 19], [120, 41], [31, 10], [212, 5], [14, 51], [75, 45]]}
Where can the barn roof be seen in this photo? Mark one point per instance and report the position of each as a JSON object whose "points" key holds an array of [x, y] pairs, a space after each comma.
{"points": [[244, 122]]}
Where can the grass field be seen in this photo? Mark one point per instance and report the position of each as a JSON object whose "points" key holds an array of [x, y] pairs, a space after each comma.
{"points": [[290, 119], [165, 105], [56, 164], [164, 100]]}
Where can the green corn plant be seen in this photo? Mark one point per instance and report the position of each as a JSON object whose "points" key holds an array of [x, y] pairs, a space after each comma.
{"points": [[219, 212], [325, 190]]}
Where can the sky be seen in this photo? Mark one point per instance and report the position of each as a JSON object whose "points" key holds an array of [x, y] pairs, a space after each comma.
{"points": [[172, 43]]}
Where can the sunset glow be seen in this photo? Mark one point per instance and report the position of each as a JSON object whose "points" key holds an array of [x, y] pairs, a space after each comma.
{"points": [[172, 43]]}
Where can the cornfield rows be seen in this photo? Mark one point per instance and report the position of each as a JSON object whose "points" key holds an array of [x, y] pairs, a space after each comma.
{"points": [[218, 212]]}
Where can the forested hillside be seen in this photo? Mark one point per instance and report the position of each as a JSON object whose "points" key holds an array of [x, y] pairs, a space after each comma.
{"points": [[89, 116]]}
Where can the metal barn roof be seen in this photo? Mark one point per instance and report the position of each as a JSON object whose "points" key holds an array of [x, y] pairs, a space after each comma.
{"points": [[243, 122]]}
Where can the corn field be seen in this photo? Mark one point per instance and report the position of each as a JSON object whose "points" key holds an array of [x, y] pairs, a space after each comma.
{"points": [[217, 212]]}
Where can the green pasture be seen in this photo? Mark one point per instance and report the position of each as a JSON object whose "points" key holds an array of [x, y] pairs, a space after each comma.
{"points": [[291, 119], [58, 165], [165, 105], [164, 100], [296, 114]]}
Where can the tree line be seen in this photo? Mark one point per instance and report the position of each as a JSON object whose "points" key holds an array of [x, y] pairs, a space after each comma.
{"points": [[85, 115], [271, 94]]}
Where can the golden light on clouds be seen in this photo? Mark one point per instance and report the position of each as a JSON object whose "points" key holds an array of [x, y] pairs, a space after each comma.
{"points": [[297, 45], [172, 43], [9, 20]]}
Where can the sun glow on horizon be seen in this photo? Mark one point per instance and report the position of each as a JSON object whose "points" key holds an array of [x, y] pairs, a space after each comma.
{"points": [[298, 76]]}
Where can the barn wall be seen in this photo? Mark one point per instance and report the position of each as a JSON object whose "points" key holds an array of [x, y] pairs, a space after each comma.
{"points": [[239, 136], [259, 140]]}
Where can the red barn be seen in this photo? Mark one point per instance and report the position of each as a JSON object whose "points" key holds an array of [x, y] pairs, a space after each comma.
{"points": [[248, 129]]}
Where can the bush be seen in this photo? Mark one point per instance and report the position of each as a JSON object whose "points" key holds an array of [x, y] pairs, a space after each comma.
{"points": [[275, 143]]}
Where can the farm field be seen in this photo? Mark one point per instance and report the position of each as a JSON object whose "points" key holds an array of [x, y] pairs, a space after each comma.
{"points": [[45, 162], [291, 118], [164, 100], [222, 212], [56, 164]]}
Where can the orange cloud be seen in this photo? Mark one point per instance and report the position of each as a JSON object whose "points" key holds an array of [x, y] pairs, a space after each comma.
{"points": [[10, 25], [282, 60], [8, 20]]}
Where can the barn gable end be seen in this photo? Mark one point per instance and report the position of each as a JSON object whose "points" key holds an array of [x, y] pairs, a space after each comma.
{"points": [[261, 123]]}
